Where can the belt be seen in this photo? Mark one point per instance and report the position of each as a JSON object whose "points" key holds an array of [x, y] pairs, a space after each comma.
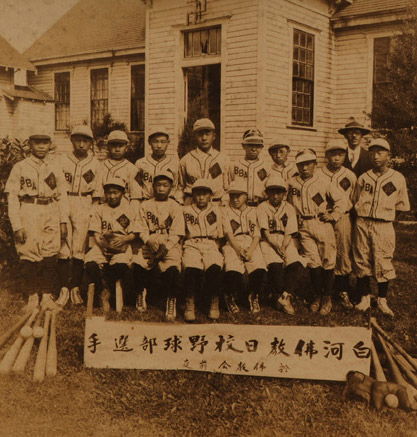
{"points": [[83, 194], [253, 202], [216, 199], [309, 217], [242, 233], [373, 219], [202, 238], [277, 232], [36, 200]]}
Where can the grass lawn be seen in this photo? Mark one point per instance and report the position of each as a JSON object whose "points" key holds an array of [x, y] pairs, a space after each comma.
{"points": [[87, 402]]}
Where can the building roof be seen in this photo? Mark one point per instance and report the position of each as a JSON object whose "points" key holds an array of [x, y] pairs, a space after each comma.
{"points": [[90, 27], [370, 7], [11, 58], [26, 93]]}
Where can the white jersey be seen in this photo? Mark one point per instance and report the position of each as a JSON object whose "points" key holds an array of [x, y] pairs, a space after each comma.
{"points": [[286, 171], [203, 222], [281, 220]]}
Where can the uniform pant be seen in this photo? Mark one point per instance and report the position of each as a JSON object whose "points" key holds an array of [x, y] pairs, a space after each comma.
{"points": [[343, 233], [291, 254], [233, 262], [201, 253]]}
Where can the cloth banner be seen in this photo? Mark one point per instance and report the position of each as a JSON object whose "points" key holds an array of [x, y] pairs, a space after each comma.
{"points": [[306, 352]]}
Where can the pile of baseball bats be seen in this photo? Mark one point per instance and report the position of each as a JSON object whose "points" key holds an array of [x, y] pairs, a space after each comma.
{"points": [[402, 366], [26, 330]]}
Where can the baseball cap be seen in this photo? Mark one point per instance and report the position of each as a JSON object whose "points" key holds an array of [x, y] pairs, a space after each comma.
{"points": [[202, 183], [117, 136], [276, 181], [164, 175], [203, 124], [338, 144], [158, 130], [82, 129], [253, 136], [305, 155], [278, 142], [380, 142], [238, 186], [116, 181], [40, 134]]}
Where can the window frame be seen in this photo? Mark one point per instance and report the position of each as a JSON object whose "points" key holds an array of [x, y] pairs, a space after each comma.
{"points": [[94, 71], [200, 30], [66, 104], [132, 66]]}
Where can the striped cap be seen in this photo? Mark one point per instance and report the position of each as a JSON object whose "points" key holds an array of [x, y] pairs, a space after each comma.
{"points": [[305, 155]]}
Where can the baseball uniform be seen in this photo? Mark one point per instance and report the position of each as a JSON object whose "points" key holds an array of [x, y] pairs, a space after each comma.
{"points": [[123, 169], [202, 229], [254, 173], [286, 171], [38, 204], [201, 165], [376, 200], [165, 219], [149, 167], [311, 198], [81, 178], [345, 180]]}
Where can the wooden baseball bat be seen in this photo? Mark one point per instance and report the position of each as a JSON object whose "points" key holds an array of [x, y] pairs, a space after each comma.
{"points": [[408, 357], [9, 358], [4, 337], [379, 372], [404, 366], [39, 370], [398, 377], [119, 297], [90, 300], [24, 354], [51, 356]]}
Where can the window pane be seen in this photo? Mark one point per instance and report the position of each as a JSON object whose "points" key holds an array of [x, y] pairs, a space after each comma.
{"points": [[202, 42], [219, 40], [212, 41], [137, 104], [99, 95], [196, 44], [62, 101]]}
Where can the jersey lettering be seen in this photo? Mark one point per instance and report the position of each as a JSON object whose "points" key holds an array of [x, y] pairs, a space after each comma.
{"points": [[151, 217], [295, 192], [240, 172], [68, 177], [189, 218]]}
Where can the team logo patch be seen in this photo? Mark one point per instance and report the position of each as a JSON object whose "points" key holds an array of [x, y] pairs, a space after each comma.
{"points": [[318, 199], [211, 218], [345, 183], [139, 177], [51, 181], [296, 174], [262, 174], [389, 188], [88, 176], [123, 221], [330, 201], [235, 225], [284, 219], [168, 222], [215, 170]]}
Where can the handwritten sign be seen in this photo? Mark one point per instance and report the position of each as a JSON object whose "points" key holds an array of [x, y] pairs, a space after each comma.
{"points": [[322, 353]]}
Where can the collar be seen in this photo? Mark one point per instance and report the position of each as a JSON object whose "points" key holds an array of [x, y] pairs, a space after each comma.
{"points": [[37, 161], [200, 153]]}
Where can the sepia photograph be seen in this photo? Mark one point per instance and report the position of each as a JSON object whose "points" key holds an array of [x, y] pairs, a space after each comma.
{"points": [[208, 218]]}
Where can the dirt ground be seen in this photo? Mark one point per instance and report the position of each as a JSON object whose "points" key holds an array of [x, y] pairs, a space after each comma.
{"points": [[89, 402]]}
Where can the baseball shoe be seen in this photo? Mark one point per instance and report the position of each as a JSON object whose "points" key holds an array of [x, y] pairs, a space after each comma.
{"points": [[47, 302], [231, 304], [383, 306], [105, 296], [141, 305], [32, 302], [326, 305], [364, 304], [315, 305], [254, 303], [189, 313], [171, 309], [75, 296], [214, 312], [284, 303], [63, 297], [344, 298]]}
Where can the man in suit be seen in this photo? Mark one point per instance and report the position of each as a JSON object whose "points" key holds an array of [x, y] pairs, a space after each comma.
{"points": [[357, 158]]}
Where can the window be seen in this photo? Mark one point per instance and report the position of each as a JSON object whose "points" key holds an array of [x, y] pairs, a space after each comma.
{"points": [[380, 78], [137, 103], [99, 95], [62, 101], [202, 42], [303, 78]]}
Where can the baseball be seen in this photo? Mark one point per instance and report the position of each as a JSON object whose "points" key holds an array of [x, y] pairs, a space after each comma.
{"points": [[26, 331], [38, 332], [391, 400]]}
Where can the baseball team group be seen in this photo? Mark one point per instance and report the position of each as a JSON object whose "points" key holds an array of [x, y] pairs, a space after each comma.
{"points": [[236, 230]]}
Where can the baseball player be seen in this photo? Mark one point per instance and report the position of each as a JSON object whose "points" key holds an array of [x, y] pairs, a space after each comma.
{"points": [[116, 165], [251, 169], [318, 205], [379, 193], [160, 226], [157, 162], [278, 223], [279, 151], [38, 213], [80, 171], [345, 180], [112, 224], [242, 252], [203, 230], [204, 162]]}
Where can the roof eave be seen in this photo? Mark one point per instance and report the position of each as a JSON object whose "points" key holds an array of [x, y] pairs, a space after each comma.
{"points": [[28, 66], [359, 20]]}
